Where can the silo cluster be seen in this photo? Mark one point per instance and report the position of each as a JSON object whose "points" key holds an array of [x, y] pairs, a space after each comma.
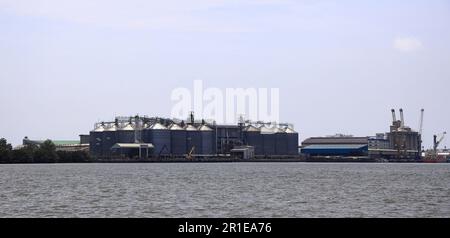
{"points": [[269, 140], [174, 138]]}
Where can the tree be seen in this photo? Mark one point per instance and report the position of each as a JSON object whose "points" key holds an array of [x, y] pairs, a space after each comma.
{"points": [[5, 150], [46, 153], [24, 154]]}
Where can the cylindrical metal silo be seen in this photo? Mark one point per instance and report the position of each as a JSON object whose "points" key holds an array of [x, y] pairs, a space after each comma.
{"points": [[207, 136], [193, 139], [109, 138], [160, 138], [145, 134], [269, 140], [177, 139], [281, 147], [292, 141], [125, 134], [253, 137], [96, 140]]}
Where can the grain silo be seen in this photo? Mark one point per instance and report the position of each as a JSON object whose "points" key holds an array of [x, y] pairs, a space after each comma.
{"points": [[126, 134], [269, 140], [109, 138], [146, 133], [207, 136], [253, 137], [177, 140], [96, 139], [160, 138], [193, 139], [281, 145], [292, 141]]}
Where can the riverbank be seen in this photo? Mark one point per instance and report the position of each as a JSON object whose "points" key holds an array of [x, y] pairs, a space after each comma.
{"points": [[228, 160]]}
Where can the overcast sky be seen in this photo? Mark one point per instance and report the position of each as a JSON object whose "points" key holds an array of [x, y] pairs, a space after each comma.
{"points": [[340, 65]]}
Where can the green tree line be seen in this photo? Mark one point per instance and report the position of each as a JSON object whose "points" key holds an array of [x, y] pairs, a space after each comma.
{"points": [[45, 153]]}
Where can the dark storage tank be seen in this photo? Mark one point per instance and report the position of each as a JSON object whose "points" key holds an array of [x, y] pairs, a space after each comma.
{"points": [[96, 140], [207, 136], [253, 137], [125, 134], [292, 141], [269, 140], [177, 139], [281, 147], [193, 139], [109, 139], [160, 138], [145, 134]]}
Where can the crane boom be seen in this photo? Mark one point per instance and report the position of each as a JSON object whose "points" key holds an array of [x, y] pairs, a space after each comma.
{"points": [[438, 141], [441, 138], [189, 155], [394, 118]]}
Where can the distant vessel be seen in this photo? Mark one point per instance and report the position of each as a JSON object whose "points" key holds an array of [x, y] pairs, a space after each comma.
{"points": [[434, 156], [435, 159]]}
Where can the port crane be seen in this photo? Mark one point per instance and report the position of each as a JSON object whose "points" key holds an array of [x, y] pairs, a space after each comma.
{"points": [[191, 152], [436, 141], [419, 149], [421, 122]]}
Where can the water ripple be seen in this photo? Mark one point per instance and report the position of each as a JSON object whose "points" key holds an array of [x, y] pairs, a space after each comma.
{"points": [[225, 190]]}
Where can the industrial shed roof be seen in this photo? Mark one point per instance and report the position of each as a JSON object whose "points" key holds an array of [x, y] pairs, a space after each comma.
{"points": [[55, 142], [335, 140], [131, 145], [336, 147]]}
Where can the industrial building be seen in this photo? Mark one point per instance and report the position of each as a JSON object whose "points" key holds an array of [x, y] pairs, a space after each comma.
{"points": [[405, 142], [142, 136], [61, 145], [337, 145], [400, 143]]}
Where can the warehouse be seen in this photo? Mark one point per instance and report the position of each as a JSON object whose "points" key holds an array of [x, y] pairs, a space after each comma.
{"points": [[401, 143], [339, 145], [61, 145]]}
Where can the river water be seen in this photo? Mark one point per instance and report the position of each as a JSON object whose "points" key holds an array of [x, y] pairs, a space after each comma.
{"points": [[225, 190]]}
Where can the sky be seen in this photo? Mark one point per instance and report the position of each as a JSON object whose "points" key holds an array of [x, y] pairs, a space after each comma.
{"points": [[340, 66]]}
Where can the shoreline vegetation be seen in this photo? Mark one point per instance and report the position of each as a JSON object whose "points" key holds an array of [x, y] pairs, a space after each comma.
{"points": [[45, 153]]}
